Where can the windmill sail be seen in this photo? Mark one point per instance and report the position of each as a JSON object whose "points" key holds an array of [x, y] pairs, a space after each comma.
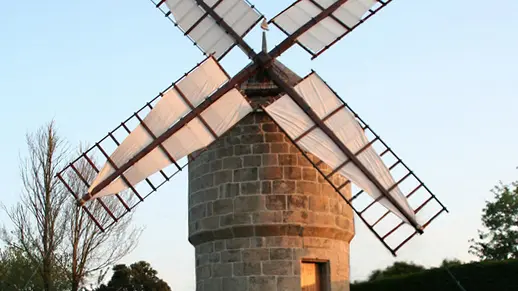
{"points": [[353, 133], [308, 136], [195, 135], [202, 21], [346, 16]]}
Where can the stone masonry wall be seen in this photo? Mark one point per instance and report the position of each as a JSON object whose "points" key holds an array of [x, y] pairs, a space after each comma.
{"points": [[257, 208]]}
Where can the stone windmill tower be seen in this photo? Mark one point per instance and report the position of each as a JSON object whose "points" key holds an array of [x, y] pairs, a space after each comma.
{"points": [[278, 164], [260, 217]]}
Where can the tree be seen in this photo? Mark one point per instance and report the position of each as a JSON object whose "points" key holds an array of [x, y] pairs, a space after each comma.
{"points": [[39, 219], [499, 240], [17, 273], [88, 249], [137, 277], [51, 230], [398, 268], [450, 262]]}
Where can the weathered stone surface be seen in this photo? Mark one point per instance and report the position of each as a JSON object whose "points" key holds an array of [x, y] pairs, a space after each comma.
{"points": [[259, 254], [247, 268], [276, 202], [262, 283], [282, 268], [235, 283], [257, 208]]}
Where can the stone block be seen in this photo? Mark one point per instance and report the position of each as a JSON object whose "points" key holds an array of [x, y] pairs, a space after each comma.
{"points": [[230, 256], [274, 137], [243, 231], [281, 254], [280, 148], [250, 129], [216, 165], [247, 268], [253, 255], [270, 173], [297, 216], [279, 268], [287, 160], [253, 161], [232, 163], [243, 149], [252, 138], [222, 270], [237, 243], [209, 223], [303, 161], [221, 177], [270, 127], [343, 222], [225, 152], [246, 174], [213, 284], [309, 174], [251, 188], [235, 219], [229, 190], [307, 188], [198, 212], [284, 242], [266, 187], [284, 187], [270, 159], [235, 284], [292, 173], [318, 203], [261, 283], [276, 202], [203, 272], [248, 203], [264, 217], [261, 148], [223, 206], [207, 247], [323, 218], [214, 258], [289, 283], [297, 202]]}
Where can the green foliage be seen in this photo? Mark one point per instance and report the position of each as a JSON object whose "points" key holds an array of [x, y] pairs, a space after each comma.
{"points": [[500, 217], [479, 276], [18, 273], [398, 268], [137, 277]]}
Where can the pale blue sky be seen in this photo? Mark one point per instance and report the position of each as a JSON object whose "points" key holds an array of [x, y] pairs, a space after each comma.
{"points": [[438, 80]]}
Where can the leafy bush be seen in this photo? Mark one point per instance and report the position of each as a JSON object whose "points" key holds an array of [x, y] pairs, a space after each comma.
{"points": [[479, 276]]}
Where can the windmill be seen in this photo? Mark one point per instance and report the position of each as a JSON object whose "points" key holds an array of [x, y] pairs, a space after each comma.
{"points": [[189, 121]]}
